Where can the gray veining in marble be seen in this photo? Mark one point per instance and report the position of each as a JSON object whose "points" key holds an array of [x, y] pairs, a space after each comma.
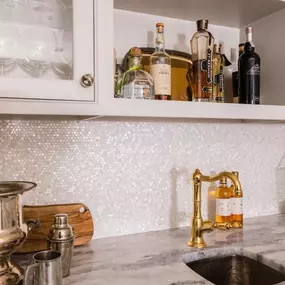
{"points": [[158, 258]]}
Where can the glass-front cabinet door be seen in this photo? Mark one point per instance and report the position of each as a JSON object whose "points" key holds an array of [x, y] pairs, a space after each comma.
{"points": [[47, 49]]}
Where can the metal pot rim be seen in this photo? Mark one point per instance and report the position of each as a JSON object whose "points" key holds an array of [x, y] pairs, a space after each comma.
{"points": [[8, 188]]}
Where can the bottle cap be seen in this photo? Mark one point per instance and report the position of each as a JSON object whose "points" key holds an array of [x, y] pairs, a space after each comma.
{"points": [[217, 48], [61, 220], [202, 24], [135, 51], [60, 230], [248, 30], [160, 25], [223, 180]]}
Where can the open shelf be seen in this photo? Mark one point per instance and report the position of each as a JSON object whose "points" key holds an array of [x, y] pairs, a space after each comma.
{"points": [[233, 13], [193, 110], [227, 18]]}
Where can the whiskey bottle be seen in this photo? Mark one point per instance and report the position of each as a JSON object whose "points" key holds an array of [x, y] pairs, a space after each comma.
{"points": [[202, 45], [237, 206], [160, 67], [235, 71], [223, 202], [218, 75], [249, 72], [136, 83]]}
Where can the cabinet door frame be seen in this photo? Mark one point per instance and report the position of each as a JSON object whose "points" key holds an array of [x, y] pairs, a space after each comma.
{"points": [[104, 80], [84, 24]]}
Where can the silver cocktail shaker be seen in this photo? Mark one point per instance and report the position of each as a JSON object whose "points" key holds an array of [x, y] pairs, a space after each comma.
{"points": [[61, 238]]}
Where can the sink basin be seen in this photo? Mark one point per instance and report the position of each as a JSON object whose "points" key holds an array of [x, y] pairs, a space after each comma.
{"points": [[236, 270]]}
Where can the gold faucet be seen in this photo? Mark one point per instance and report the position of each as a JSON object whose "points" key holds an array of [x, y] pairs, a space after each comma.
{"points": [[198, 225]]}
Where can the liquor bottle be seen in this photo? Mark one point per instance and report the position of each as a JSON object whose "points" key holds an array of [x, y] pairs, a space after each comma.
{"points": [[218, 75], [223, 202], [235, 71], [136, 83], [160, 67], [237, 206], [202, 45], [249, 72], [117, 79]]}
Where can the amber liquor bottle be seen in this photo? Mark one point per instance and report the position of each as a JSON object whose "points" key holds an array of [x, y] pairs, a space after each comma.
{"points": [[237, 206], [160, 67], [249, 72], [202, 45], [218, 75], [223, 202]]}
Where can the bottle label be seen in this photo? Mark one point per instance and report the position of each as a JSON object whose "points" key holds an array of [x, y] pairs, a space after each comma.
{"points": [[221, 79], [206, 66], [161, 74], [206, 89], [223, 207], [138, 90], [237, 206], [255, 70], [216, 80]]}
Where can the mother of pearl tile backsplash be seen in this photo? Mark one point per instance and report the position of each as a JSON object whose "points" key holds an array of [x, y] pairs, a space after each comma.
{"points": [[135, 176]]}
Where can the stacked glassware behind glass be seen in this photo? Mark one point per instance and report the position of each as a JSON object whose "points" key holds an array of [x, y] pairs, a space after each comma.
{"points": [[36, 38]]}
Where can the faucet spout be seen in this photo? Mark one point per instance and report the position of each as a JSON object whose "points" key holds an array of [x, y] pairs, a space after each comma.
{"points": [[203, 178]]}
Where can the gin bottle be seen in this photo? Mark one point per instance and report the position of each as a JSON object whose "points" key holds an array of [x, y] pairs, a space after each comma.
{"points": [[202, 45], [160, 67], [136, 83]]}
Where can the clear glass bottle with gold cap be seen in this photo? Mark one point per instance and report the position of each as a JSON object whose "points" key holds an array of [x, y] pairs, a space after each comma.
{"points": [[218, 75], [237, 206], [202, 45], [223, 202], [136, 83], [160, 66]]}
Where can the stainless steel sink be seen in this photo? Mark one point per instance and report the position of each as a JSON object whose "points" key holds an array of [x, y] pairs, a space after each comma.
{"points": [[236, 270]]}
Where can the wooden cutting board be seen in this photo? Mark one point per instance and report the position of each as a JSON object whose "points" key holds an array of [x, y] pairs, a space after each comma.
{"points": [[79, 217]]}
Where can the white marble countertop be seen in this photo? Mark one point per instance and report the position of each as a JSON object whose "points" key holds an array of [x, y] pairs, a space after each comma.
{"points": [[158, 258]]}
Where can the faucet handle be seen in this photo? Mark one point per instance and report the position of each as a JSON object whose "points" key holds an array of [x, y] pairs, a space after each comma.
{"points": [[237, 225], [222, 226], [209, 226]]}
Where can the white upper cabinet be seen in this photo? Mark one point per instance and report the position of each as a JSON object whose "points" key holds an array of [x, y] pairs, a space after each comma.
{"points": [[56, 56], [46, 46]]}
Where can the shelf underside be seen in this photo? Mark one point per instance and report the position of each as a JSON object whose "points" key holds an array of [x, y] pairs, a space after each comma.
{"points": [[231, 13]]}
